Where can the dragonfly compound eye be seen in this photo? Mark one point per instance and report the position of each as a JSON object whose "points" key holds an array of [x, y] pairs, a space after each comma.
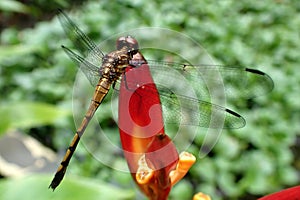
{"points": [[129, 42]]}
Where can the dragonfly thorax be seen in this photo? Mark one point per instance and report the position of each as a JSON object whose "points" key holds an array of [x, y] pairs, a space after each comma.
{"points": [[115, 63]]}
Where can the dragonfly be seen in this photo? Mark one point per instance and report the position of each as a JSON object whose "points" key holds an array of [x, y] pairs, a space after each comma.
{"points": [[113, 66], [185, 109]]}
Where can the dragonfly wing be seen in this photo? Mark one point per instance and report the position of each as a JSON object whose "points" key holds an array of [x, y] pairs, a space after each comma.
{"points": [[236, 82], [83, 43], [185, 110], [92, 72], [187, 90]]}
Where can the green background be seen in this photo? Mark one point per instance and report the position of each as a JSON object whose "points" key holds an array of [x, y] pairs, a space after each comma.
{"points": [[36, 77]]}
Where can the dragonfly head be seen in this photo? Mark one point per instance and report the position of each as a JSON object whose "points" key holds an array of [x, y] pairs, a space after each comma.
{"points": [[129, 42]]}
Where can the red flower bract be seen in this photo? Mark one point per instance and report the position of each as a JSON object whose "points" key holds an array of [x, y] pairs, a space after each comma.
{"points": [[149, 152], [292, 193], [151, 155]]}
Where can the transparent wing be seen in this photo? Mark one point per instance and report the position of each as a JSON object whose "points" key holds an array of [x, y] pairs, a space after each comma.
{"points": [[92, 72], [78, 37], [235, 82], [87, 48], [184, 110]]}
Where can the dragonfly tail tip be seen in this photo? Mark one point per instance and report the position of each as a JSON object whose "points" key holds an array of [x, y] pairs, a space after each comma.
{"points": [[51, 187]]}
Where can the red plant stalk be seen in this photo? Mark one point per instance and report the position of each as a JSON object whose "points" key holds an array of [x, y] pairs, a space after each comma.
{"points": [[151, 155]]}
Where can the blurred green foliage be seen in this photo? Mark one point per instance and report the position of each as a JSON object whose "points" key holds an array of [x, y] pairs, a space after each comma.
{"points": [[89, 189], [32, 115], [36, 81]]}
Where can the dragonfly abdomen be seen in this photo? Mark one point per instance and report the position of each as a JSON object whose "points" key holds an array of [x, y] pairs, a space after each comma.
{"points": [[113, 66], [99, 94]]}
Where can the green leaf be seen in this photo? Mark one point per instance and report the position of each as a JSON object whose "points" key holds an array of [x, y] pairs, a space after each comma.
{"points": [[36, 187], [16, 50], [13, 6], [29, 114]]}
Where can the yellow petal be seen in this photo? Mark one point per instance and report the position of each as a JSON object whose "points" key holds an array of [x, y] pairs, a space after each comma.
{"points": [[201, 196], [186, 160]]}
